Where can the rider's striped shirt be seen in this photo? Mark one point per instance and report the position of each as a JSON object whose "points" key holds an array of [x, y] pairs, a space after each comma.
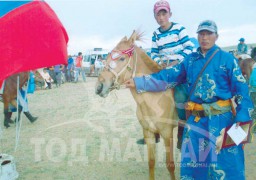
{"points": [[172, 44]]}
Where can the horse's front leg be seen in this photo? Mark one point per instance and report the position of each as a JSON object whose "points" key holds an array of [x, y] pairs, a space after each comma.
{"points": [[169, 144], [151, 145]]}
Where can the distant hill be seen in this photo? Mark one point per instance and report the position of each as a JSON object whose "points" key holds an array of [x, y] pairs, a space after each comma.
{"points": [[229, 48]]}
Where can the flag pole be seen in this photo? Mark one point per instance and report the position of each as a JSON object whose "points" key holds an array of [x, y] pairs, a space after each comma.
{"points": [[17, 115]]}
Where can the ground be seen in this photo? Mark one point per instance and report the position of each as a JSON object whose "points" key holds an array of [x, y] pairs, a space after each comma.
{"points": [[81, 136]]}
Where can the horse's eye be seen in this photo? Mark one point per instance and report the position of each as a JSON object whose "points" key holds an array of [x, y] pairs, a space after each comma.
{"points": [[122, 59]]}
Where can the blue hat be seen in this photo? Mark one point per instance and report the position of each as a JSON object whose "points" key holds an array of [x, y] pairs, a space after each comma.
{"points": [[241, 39], [207, 25]]}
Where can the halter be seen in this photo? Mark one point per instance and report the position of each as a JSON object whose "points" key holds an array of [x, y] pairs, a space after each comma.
{"points": [[117, 54]]}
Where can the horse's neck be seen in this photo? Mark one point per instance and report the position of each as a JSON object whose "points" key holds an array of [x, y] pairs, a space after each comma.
{"points": [[145, 65]]}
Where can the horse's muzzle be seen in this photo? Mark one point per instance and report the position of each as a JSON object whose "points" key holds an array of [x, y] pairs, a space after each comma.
{"points": [[99, 88]]}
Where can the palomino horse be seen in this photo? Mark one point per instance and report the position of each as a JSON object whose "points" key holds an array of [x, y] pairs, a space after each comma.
{"points": [[10, 93], [155, 111]]}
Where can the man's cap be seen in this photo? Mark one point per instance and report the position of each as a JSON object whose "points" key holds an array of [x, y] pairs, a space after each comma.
{"points": [[241, 39], [207, 25], [161, 5]]}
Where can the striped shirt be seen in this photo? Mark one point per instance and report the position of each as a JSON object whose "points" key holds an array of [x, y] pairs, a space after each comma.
{"points": [[172, 44]]}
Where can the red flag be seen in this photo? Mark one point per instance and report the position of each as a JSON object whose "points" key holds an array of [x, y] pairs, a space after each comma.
{"points": [[31, 37]]}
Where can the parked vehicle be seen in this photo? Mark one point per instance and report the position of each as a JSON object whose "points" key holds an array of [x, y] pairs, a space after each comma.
{"points": [[94, 60]]}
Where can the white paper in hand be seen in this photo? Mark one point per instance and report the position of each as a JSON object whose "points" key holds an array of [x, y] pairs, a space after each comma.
{"points": [[237, 134]]}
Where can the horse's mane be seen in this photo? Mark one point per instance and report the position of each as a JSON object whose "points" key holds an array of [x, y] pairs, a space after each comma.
{"points": [[150, 63]]}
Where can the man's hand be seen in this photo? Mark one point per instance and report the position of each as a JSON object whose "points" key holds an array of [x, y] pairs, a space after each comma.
{"points": [[129, 83], [237, 124]]}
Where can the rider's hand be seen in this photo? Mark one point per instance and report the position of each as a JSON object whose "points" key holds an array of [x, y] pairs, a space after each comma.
{"points": [[129, 83], [163, 65], [173, 63]]}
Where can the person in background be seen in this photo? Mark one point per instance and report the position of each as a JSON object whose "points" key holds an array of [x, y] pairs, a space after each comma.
{"points": [[58, 73], [78, 67], [92, 67], [242, 47], [47, 78], [52, 73], [70, 68], [210, 106], [98, 65]]}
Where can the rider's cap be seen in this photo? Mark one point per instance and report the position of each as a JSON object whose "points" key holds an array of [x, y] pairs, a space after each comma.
{"points": [[161, 5], [207, 25], [241, 39]]}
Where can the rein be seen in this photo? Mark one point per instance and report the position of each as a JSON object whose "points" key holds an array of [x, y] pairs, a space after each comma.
{"points": [[130, 52]]}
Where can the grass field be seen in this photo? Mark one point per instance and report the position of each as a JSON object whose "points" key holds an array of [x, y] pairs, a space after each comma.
{"points": [[81, 136]]}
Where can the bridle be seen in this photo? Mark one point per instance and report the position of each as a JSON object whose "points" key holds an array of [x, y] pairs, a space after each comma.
{"points": [[116, 54]]}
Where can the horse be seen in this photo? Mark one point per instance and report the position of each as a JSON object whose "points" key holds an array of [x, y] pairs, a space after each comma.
{"points": [[155, 111], [246, 64], [39, 80], [10, 92]]}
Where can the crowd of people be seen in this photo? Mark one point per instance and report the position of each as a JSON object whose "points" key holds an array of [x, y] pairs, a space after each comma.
{"points": [[70, 72]]}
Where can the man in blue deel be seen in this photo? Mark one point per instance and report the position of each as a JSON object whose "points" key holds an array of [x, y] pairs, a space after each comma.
{"points": [[210, 104]]}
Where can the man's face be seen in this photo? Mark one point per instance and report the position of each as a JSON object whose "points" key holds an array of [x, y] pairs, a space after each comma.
{"points": [[206, 40], [162, 18]]}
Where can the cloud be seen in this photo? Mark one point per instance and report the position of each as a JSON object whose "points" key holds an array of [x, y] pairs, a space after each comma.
{"points": [[229, 36], [84, 43]]}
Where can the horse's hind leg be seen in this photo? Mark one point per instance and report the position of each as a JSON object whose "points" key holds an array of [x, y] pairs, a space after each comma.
{"points": [[169, 142], [151, 145], [14, 103], [6, 119]]}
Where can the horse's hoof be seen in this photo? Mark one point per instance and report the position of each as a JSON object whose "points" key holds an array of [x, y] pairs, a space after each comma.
{"points": [[6, 125]]}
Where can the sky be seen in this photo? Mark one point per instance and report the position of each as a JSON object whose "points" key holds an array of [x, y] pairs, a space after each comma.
{"points": [[103, 23]]}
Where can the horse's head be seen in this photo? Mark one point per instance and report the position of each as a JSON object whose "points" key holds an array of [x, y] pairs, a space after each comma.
{"points": [[120, 65], [38, 77]]}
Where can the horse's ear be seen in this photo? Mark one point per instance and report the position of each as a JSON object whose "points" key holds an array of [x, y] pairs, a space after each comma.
{"points": [[133, 37], [124, 38]]}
